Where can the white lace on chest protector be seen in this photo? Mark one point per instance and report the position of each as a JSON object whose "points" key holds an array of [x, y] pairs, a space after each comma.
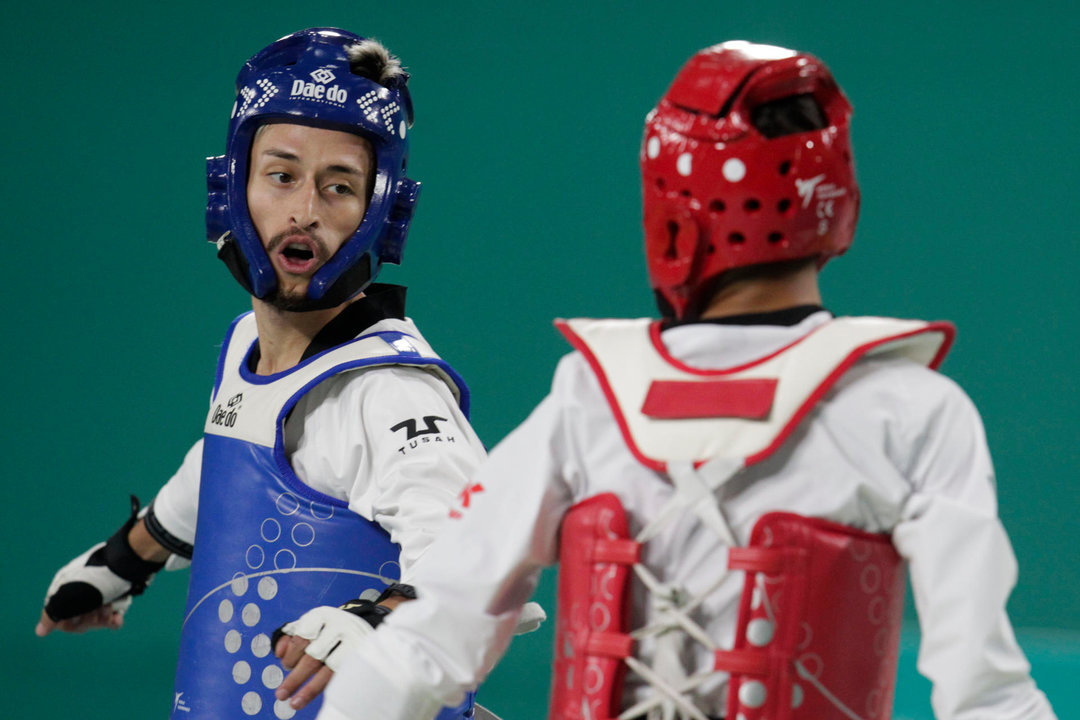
{"points": [[252, 407], [660, 406]]}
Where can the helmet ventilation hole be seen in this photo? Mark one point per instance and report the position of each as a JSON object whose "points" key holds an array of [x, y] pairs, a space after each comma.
{"points": [[752, 205], [685, 193], [783, 206], [660, 184], [736, 238], [717, 206], [671, 253], [785, 167], [776, 237]]}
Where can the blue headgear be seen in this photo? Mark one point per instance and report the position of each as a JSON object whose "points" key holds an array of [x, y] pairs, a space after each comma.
{"points": [[305, 78]]}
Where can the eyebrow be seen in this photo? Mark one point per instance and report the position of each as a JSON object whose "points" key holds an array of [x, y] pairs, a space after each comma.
{"points": [[285, 155]]}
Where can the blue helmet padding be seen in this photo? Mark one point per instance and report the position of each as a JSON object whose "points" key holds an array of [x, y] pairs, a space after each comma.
{"points": [[305, 78]]}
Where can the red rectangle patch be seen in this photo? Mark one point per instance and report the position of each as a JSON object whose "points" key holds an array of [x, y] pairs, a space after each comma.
{"points": [[749, 398]]}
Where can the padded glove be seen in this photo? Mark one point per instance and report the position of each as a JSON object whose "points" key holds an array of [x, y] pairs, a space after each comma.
{"points": [[109, 573]]}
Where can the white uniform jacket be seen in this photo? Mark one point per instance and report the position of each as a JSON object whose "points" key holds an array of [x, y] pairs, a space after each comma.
{"points": [[345, 438], [893, 447]]}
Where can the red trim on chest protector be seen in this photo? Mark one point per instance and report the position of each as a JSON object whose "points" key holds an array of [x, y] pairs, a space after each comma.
{"points": [[749, 398], [946, 329]]}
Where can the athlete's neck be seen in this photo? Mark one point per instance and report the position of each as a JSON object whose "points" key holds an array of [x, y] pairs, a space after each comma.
{"points": [[766, 294], [285, 335]]}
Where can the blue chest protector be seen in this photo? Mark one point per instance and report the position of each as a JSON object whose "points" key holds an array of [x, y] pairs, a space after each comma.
{"points": [[268, 547]]}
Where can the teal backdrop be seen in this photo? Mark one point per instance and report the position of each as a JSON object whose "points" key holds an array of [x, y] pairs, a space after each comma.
{"points": [[528, 119]]}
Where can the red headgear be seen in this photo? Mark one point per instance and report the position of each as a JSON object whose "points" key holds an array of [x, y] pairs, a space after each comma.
{"points": [[746, 160]]}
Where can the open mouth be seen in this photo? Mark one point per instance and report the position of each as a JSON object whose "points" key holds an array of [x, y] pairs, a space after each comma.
{"points": [[298, 256], [297, 252]]}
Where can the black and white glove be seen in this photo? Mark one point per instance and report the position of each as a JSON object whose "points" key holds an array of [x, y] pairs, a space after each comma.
{"points": [[109, 573], [333, 632]]}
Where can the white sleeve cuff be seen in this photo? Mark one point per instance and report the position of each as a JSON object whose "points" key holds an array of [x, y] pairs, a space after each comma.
{"points": [[368, 687]]}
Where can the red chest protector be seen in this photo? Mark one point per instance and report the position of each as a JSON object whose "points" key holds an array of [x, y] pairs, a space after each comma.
{"points": [[820, 612]]}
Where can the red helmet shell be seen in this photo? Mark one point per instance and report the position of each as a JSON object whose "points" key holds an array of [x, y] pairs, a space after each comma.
{"points": [[718, 194]]}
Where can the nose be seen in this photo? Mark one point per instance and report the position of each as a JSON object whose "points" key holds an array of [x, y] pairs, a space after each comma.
{"points": [[305, 209]]}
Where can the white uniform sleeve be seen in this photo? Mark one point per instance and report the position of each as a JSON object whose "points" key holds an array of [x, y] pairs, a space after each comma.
{"points": [[177, 503], [472, 582], [962, 568], [393, 443]]}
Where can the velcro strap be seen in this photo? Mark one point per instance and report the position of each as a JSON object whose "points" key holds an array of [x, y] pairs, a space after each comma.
{"points": [[609, 644], [120, 558], [770, 561], [741, 662], [165, 538], [623, 552]]}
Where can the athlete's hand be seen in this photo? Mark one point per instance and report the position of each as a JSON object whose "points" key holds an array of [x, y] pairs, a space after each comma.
{"points": [[102, 617], [303, 669], [85, 594], [313, 647]]}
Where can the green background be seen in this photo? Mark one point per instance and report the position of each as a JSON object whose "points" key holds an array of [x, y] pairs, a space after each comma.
{"points": [[528, 118]]}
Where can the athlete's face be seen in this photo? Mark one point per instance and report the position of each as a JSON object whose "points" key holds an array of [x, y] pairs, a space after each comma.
{"points": [[307, 193]]}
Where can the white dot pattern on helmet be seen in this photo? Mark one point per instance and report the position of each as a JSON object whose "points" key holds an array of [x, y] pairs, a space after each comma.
{"points": [[685, 164], [366, 100], [652, 148], [283, 710], [249, 94], [401, 130], [752, 693], [268, 89], [733, 170], [388, 115]]}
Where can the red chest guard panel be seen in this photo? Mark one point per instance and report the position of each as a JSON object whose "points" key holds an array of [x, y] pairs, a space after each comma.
{"points": [[819, 623], [818, 630], [595, 558]]}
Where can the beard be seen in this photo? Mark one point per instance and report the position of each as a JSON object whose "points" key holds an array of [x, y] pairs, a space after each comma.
{"points": [[293, 300], [287, 301]]}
